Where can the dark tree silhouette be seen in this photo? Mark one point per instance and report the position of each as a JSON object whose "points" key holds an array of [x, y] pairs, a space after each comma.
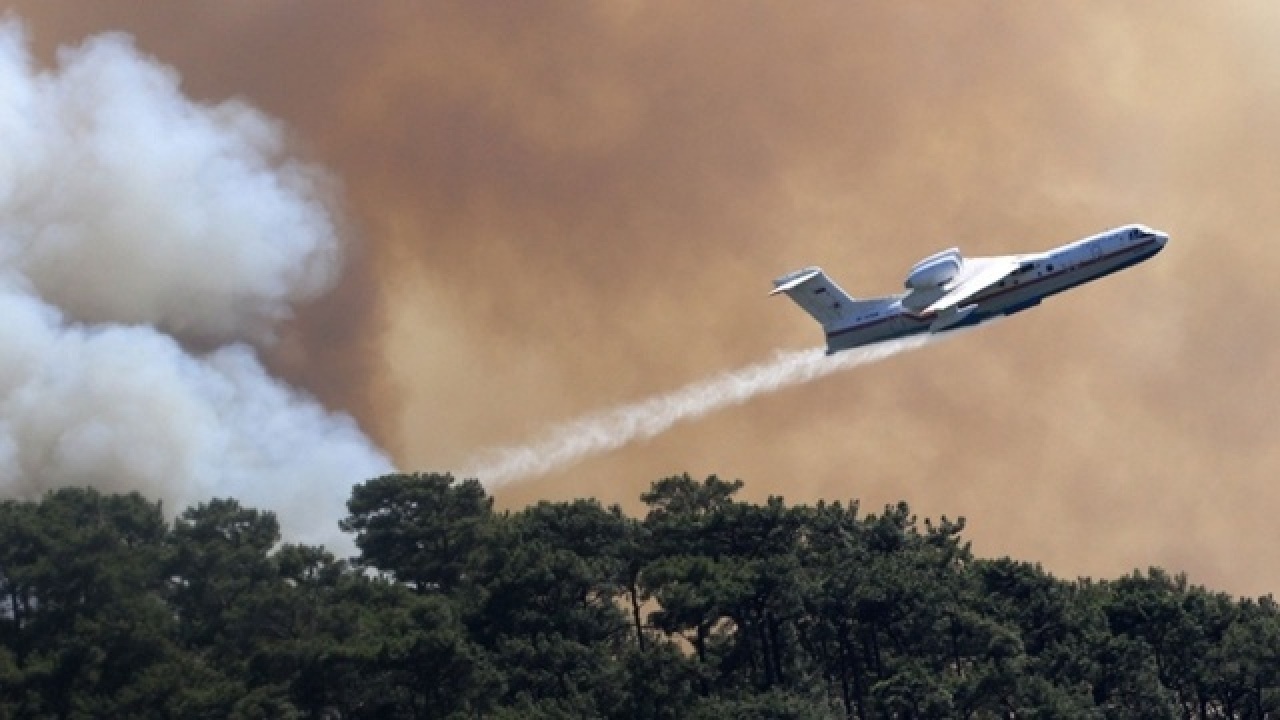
{"points": [[707, 607]]}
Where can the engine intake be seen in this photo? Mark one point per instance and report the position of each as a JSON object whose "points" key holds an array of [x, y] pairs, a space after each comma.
{"points": [[936, 270]]}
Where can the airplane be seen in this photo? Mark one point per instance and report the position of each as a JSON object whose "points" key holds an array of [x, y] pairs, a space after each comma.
{"points": [[947, 291]]}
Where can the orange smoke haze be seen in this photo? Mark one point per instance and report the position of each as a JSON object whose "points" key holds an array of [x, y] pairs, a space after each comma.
{"points": [[559, 207]]}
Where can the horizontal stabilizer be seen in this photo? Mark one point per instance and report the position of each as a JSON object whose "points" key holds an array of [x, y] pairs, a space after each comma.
{"points": [[795, 279]]}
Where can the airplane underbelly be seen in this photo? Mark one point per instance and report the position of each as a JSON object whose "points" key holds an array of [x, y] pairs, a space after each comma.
{"points": [[1017, 299], [898, 326], [1021, 298]]}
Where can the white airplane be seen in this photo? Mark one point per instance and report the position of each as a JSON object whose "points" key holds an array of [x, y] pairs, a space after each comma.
{"points": [[946, 291]]}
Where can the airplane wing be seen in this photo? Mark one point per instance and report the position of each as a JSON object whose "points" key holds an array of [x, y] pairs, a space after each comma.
{"points": [[985, 272]]}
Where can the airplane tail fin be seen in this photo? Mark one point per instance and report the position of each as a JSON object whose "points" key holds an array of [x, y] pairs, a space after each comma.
{"points": [[813, 291]]}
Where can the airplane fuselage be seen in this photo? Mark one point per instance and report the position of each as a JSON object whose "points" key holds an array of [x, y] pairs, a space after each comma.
{"points": [[1039, 276]]}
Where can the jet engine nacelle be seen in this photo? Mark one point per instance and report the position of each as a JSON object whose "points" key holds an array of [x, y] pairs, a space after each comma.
{"points": [[936, 270]]}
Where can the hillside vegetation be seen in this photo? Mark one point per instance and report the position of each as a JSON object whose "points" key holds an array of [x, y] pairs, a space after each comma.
{"points": [[706, 607]]}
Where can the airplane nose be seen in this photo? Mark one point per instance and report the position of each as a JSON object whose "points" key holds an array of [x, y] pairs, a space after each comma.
{"points": [[1148, 233], [1160, 238]]}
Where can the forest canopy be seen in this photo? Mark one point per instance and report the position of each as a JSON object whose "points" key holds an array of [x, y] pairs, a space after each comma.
{"points": [[706, 607]]}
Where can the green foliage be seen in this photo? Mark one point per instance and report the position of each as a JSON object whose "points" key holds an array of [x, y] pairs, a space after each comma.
{"points": [[707, 607], [421, 529]]}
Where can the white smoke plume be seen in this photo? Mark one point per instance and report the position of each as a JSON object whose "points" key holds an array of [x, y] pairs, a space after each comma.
{"points": [[601, 432], [146, 241]]}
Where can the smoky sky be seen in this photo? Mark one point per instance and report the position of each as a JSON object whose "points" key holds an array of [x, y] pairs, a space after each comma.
{"points": [[555, 208], [150, 246]]}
